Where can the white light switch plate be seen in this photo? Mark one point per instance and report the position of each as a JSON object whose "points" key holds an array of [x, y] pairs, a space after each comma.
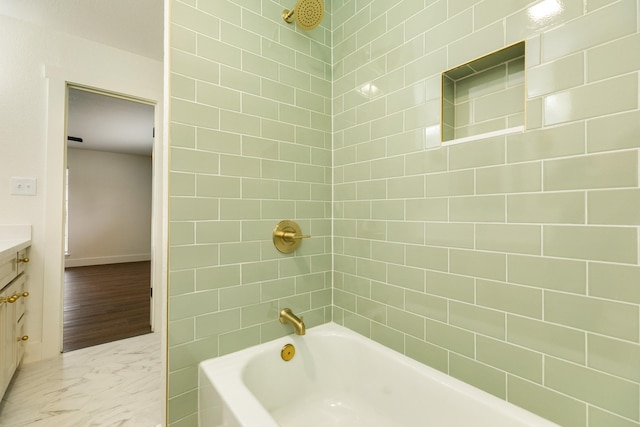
{"points": [[23, 186]]}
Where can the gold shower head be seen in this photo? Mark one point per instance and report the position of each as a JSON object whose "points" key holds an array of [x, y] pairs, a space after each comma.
{"points": [[308, 13]]}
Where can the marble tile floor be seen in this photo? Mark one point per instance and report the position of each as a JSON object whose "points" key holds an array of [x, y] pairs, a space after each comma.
{"points": [[113, 384]]}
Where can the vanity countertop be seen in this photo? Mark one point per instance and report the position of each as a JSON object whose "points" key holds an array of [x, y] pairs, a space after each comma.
{"points": [[8, 247], [14, 238]]}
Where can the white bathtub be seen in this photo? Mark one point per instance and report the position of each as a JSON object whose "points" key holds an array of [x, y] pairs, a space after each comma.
{"points": [[338, 378]]}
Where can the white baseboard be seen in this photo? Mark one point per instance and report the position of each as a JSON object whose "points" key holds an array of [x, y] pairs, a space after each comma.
{"points": [[81, 262]]}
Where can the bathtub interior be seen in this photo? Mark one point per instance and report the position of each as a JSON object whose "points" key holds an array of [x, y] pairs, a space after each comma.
{"points": [[340, 378]]}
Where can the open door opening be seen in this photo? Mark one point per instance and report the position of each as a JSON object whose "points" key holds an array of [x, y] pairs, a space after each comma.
{"points": [[107, 292]]}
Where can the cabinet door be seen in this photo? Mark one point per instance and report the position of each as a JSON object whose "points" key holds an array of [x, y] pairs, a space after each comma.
{"points": [[8, 269], [7, 343]]}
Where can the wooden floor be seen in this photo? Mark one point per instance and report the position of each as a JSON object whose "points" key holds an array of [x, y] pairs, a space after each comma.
{"points": [[104, 303]]}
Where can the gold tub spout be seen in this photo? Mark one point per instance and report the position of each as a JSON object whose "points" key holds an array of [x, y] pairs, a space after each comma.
{"points": [[287, 316]]}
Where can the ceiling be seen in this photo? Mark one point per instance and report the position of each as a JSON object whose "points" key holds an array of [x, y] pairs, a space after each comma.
{"points": [[104, 123], [109, 123]]}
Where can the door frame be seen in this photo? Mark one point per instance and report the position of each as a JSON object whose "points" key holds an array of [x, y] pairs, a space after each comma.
{"points": [[106, 79]]}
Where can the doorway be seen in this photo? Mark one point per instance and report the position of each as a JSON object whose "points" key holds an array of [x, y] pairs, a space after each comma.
{"points": [[107, 292]]}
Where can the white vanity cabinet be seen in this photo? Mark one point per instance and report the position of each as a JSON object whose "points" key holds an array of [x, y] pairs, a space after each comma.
{"points": [[12, 313]]}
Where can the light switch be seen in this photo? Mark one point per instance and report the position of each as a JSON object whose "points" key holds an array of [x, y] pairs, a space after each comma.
{"points": [[23, 186]]}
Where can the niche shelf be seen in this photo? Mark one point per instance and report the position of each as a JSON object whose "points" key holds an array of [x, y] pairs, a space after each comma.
{"points": [[484, 97]]}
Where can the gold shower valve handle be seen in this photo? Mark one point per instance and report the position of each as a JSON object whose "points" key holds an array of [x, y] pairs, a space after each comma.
{"points": [[287, 236]]}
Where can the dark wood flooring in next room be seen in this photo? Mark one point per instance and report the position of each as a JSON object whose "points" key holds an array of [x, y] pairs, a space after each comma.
{"points": [[104, 303]]}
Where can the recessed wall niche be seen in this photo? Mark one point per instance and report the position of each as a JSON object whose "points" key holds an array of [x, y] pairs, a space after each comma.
{"points": [[484, 97]]}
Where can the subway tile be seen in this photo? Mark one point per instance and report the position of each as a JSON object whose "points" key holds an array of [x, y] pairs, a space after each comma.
{"points": [[477, 44], [547, 403], [194, 161], [499, 104], [487, 265], [183, 87], [182, 184], [477, 319], [217, 277], [425, 305], [450, 286], [615, 357], [189, 208], [450, 30], [592, 29], [193, 304], [510, 358], [217, 231], [428, 161], [239, 252], [548, 338], [387, 336], [591, 314], [614, 207], [218, 141], [510, 298], [239, 296], [457, 183], [431, 209], [613, 95], [389, 295], [540, 144], [213, 324], [190, 17], [548, 273], [408, 323], [607, 61], [478, 374], [524, 239], [428, 257], [450, 337], [487, 152], [183, 38], [616, 244], [405, 188], [592, 171], [426, 353], [538, 17], [546, 208], [406, 277], [371, 310], [615, 282], [597, 388], [457, 235], [190, 113], [405, 232], [617, 132], [519, 178], [477, 209], [239, 339], [601, 418], [194, 66], [556, 76]]}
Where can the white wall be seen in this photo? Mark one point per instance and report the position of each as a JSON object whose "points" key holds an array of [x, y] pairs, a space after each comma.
{"points": [[109, 207], [35, 65]]}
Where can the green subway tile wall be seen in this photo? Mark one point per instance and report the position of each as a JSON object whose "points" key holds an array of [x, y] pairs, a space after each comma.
{"points": [[510, 262], [519, 253], [250, 127]]}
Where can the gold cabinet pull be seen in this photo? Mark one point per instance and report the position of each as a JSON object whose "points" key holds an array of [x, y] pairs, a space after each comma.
{"points": [[15, 297], [25, 260], [23, 338]]}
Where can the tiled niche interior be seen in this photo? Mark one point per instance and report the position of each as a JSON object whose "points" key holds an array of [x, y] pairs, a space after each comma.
{"points": [[485, 95]]}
